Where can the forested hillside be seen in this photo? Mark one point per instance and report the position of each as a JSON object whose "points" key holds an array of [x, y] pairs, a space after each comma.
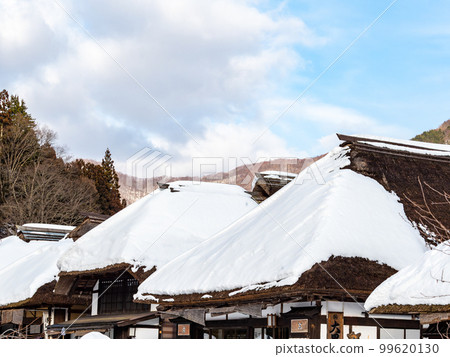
{"points": [[37, 184], [440, 135]]}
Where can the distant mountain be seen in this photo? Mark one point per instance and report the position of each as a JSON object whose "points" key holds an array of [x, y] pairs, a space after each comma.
{"points": [[440, 135], [132, 188]]}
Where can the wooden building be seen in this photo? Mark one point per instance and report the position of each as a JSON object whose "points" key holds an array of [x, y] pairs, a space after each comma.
{"points": [[110, 261], [267, 183], [90, 221], [303, 263], [28, 274], [28, 271], [43, 232], [421, 289]]}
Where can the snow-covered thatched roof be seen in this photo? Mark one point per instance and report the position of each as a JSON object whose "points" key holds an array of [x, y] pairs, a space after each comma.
{"points": [[158, 227], [329, 211], [423, 286], [26, 267]]}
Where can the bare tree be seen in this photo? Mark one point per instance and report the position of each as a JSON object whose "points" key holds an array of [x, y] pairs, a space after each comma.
{"points": [[426, 211], [439, 232], [47, 193], [18, 148]]}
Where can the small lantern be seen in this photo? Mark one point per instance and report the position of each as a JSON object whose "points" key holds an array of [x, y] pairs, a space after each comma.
{"points": [[271, 320]]}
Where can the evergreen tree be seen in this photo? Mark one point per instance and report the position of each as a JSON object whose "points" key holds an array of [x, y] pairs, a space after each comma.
{"points": [[36, 185], [12, 111], [113, 202], [106, 182]]}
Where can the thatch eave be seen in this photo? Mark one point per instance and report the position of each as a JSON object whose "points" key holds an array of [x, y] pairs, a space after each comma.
{"points": [[398, 309], [357, 278], [140, 274], [45, 296]]}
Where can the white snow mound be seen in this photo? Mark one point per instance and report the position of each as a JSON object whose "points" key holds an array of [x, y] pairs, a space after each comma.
{"points": [[25, 267], [425, 282], [325, 211], [159, 227], [94, 336]]}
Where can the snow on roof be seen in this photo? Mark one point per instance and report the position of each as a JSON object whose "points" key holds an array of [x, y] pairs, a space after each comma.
{"points": [[25, 267], [424, 282], [350, 215], [159, 227], [44, 231], [49, 226], [411, 146], [274, 175], [280, 174]]}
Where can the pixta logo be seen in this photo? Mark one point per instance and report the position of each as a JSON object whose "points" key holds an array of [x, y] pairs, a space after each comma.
{"points": [[146, 167]]}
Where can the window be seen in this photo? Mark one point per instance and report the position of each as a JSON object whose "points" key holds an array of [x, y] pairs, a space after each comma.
{"points": [[228, 333], [276, 332], [118, 298]]}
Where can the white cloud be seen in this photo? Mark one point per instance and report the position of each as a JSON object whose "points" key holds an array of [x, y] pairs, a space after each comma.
{"points": [[205, 61], [229, 143], [217, 66]]}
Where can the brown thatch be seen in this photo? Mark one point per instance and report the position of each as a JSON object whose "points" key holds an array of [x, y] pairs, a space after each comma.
{"points": [[266, 186], [410, 309], [108, 269], [140, 275], [350, 278], [396, 170], [91, 220], [82, 282], [402, 172], [45, 296]]}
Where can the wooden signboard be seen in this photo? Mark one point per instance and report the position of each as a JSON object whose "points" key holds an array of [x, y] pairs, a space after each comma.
{"points": [[184, 330], [335, 326], [168, 330], [299, 326]]}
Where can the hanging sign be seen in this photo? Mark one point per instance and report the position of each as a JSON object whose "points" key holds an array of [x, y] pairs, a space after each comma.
{"points": [[184, 330], [299, 326], [335, 325]]}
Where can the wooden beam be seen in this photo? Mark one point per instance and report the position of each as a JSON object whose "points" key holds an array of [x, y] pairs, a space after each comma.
{"points": [[65, 284], [434, 318]]}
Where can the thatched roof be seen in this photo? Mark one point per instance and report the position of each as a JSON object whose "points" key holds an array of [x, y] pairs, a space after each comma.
{"points": [[346, 211], [405, 167], [45, 296], [267, 183], [43, 232], [422, 287], [358, 276], [154, 230], [90, 221], [28, 270]]}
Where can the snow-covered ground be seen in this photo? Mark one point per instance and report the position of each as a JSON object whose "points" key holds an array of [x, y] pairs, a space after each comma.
{"points": [[425, 282], [25, 267], [340, 213], [159, 227]]}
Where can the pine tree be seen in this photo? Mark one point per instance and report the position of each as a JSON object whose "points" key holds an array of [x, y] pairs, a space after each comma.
{"points": [[13, 111], [113, 202], [106, 182], [36, 185]]}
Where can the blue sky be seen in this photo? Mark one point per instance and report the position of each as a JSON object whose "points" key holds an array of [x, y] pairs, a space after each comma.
{"points": [[225, 70], [397, 73]]}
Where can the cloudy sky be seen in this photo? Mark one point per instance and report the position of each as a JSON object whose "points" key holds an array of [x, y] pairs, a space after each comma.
{"points": [[212, 78]]}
